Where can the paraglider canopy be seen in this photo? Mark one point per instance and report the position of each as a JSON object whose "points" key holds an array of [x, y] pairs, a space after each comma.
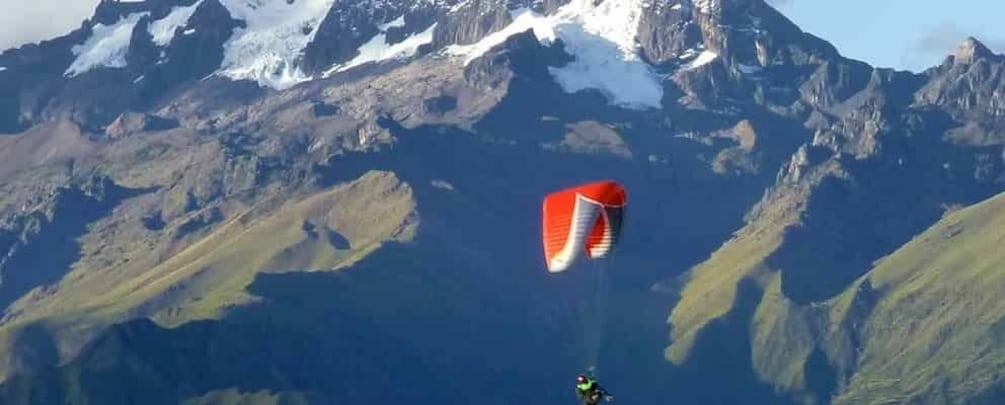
{"points": [[582, 219]]}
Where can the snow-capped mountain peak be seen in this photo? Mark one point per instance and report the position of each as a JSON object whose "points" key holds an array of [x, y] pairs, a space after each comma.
{"points": [[625, 49]]}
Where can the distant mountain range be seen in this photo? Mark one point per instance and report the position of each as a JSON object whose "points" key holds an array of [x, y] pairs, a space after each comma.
{"points": [[338, 202]]}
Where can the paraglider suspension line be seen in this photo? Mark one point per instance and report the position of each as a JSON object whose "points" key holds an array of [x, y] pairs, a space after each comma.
{"points": [[596, 314]]}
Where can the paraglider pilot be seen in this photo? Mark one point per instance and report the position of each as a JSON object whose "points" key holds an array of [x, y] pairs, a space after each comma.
{"points": [[589, 391]]}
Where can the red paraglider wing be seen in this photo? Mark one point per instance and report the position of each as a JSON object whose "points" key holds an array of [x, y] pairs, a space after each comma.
{"points": [[605, 233], [583, 219]]}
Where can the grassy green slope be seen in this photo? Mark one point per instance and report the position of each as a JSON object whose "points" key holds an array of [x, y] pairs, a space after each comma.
{"points": [[713, 285], [926, 324], [203, 279], [938, 332]]}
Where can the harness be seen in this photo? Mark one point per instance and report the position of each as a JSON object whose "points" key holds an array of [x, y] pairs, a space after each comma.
{"points": [[588, 385]]}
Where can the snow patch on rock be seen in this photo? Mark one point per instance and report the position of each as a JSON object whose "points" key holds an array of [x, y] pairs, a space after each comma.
{"points": [[277, 32], [163, 30], [377, 49], [601, 37], [106, 47]]}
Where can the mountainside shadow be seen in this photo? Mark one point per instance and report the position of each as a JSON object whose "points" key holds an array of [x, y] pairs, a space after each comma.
{"points": [[47, 246], [719, 369]]}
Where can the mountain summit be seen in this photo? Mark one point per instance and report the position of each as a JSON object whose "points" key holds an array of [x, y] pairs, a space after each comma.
{"points": [[302, 201], [140, 51], [971, 50]]}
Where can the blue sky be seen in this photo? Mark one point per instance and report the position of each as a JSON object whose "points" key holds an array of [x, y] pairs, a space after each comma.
{"points": [[902, 34]]}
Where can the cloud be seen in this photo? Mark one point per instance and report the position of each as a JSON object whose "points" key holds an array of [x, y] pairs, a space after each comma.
{"points": [[28, 21]]}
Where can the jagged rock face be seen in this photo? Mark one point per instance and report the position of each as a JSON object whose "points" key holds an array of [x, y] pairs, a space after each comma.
{"points": [[521, 54], [971, 86], [10, 117], [109, 12], [350, 23], [743, 31], [194, 54], [668, 31], [32, 73], [471, 21], [834, 82], [970, 51]]}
